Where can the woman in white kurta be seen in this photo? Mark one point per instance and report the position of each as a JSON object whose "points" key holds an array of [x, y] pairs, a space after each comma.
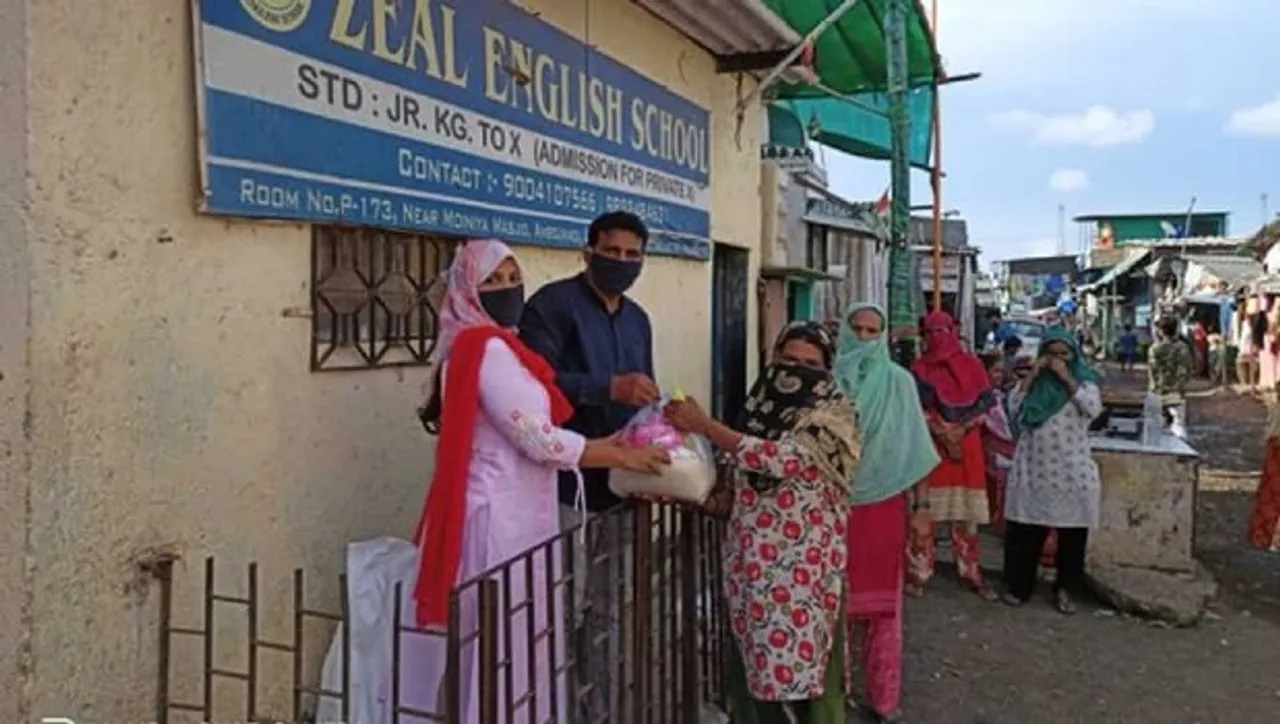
{"points": [[1053, 484]]}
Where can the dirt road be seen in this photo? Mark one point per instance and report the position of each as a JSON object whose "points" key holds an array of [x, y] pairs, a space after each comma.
{"points": [[971, 662]]}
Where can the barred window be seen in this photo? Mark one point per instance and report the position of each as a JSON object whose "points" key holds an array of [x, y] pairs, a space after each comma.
{"points": [[374, 296]]}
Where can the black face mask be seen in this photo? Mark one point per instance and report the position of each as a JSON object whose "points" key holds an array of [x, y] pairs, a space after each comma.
{"points": [[504, 305], [613, 276], [809, 377]]}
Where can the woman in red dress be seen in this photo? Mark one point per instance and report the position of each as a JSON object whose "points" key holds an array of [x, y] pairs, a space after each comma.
{"points": [[1200, 345], [1264, 524], [956, 396]]}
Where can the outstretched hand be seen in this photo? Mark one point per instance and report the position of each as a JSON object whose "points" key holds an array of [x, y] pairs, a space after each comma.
{"points": [[645, 460], [687, 415]]}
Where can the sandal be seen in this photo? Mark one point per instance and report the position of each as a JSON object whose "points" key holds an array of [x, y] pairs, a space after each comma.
{"points": [[1009, 599], [914, 590], [1064, 604], [985, 592]]}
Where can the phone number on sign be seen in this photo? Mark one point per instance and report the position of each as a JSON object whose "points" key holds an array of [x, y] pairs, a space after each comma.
{"points": [[524, 188]]}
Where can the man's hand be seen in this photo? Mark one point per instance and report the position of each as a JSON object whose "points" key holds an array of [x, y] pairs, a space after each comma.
{"points": [[635, 389]]}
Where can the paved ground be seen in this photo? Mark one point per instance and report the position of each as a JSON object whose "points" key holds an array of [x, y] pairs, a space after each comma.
{"points": [[971, 662]]}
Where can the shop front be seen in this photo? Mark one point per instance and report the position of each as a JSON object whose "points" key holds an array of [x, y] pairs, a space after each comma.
{"points": [[223, 295]]}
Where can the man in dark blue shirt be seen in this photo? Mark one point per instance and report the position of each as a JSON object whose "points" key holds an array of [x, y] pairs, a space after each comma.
{"points": [[598, 341], [601, 346]]}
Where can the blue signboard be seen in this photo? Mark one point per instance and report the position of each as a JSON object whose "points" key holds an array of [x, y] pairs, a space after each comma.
{"points": [[474, 119]]}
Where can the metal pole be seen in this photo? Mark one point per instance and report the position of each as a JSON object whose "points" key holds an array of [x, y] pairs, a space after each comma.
{"points": [[935, 176], [1062, 229], [777, 71], [901, 306], [1186, 225]]}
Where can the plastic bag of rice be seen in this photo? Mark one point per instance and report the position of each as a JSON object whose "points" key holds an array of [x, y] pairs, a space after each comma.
{"points": [[692, 473]]}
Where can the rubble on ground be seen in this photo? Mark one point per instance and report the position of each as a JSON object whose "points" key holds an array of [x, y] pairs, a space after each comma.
{"points": [[1178, 598]]}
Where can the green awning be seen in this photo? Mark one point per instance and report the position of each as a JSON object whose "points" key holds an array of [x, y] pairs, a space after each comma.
{"points": [[856, 129], [850, 57]]}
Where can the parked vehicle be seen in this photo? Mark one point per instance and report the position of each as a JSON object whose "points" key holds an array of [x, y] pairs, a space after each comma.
{"points": [[1030, 331]]}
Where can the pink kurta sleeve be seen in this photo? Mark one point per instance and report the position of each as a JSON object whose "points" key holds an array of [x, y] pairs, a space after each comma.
{"points": [[516, 404]]}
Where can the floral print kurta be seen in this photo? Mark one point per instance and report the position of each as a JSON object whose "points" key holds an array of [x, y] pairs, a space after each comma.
{"points": [[784, 571]]}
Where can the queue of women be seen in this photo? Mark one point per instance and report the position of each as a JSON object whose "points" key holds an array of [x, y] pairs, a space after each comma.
{"points": [[843, 465]]}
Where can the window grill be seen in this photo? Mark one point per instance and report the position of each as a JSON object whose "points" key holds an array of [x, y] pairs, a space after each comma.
{"points": [[374, 297]]}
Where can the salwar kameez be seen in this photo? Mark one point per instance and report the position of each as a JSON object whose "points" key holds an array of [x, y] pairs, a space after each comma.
{"points": [[784, 555], [784, 574], [877, 538], [999, 443], [898, 451], [826, 709], [955, 394], [957, 496], [1264, 523], [1053, 484]]}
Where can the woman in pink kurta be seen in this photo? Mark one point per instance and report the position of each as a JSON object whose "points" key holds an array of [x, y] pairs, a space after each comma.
{"points": [[784, 557], [493, 494]]}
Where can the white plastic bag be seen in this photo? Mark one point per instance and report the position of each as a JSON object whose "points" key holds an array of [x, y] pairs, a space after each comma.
{"points": [[692, 473], [374, 567]]}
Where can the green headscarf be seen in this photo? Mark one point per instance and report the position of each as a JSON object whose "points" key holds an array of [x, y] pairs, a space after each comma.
{"points": [[897, 451], [1048, 395]]}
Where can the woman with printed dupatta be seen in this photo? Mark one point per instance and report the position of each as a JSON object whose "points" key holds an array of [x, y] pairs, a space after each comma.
{"points": [[784, 556]]}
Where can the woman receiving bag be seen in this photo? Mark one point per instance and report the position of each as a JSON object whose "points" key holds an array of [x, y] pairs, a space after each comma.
{"points": [[784, 555]]}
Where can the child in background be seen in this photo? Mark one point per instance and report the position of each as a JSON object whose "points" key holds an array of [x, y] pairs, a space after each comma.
{"points": [[1128, 348], [1000, 439], [997, 440], [1217, 360]]}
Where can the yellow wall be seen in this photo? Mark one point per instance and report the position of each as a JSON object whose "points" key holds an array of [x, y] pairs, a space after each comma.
{"points": [[13, 349], [170, 404]]}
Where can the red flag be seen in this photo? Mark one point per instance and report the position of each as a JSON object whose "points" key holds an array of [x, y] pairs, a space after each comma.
{"points": [[882, 204]]}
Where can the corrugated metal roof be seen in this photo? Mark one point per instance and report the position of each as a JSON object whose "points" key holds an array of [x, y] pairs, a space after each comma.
{"points": [[1236, 271], [1156, 215], [1189, 242], [1119, 270]]}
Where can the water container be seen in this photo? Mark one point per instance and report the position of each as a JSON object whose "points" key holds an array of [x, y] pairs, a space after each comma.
{"points": [[1152, 419]]}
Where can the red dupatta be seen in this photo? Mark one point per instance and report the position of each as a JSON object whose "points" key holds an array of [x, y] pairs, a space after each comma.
{"points": [[953, 382], [440, 530]]}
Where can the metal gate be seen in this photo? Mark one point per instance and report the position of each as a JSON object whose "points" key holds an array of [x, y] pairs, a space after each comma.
{"points": [[660, 649], [730, 295]]}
